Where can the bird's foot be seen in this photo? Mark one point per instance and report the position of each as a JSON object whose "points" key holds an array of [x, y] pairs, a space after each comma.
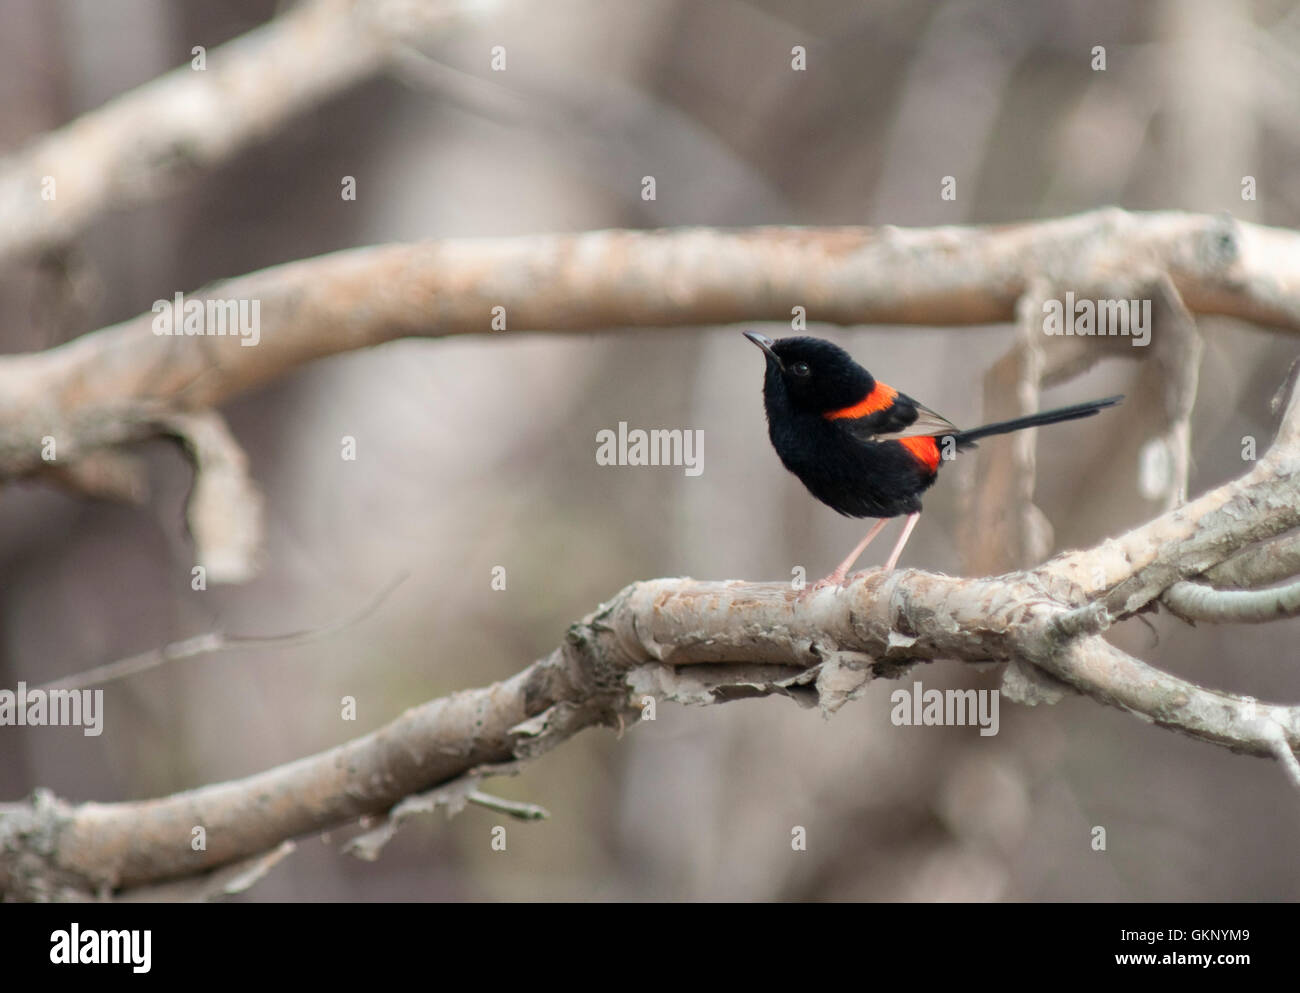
{"points": [[836, 578]]}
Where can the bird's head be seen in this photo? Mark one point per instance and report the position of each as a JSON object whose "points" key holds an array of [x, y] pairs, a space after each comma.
{"points": [[812, 375]]}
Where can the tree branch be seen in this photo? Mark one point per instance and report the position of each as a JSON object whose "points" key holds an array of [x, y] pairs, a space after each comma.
{"points": [[364, 297], [137, 147], [123, 383], [1197, 602], [1259, 565]]}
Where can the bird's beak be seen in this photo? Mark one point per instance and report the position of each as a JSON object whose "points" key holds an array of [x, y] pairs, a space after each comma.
{"points": [[765, 344]]}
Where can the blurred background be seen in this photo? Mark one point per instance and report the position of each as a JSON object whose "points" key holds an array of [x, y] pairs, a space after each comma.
{"points": [[480, 452]]}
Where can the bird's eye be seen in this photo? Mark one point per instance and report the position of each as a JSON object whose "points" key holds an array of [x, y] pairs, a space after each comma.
{"points": [[800, 369]]}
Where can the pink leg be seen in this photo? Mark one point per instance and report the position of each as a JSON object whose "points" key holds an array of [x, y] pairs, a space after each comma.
{"points": [[842, 570], [902, 540]]}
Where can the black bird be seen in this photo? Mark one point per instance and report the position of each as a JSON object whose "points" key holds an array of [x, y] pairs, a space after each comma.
{"points": [[861, 447]]}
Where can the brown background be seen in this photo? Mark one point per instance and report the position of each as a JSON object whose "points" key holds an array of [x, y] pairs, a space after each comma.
{"points": [[481, 452]]}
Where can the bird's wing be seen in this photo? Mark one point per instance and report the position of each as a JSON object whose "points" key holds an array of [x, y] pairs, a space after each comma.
{"points": [[927, 423], [905, 419]]}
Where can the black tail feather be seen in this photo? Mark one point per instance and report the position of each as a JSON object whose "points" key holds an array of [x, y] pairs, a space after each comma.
{"points": [[1036, 420]]}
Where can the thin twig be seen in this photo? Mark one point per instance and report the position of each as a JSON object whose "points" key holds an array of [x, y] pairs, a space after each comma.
{"points": [[515, 808], [213, 641]]}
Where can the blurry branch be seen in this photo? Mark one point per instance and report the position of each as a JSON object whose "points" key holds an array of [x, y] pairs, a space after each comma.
{"points": [[225, 506], [1176, 349], [696, 642], [1197, 602], [608, 131], [136, 147], [211, 643], [124, 383], [1003, 528]]}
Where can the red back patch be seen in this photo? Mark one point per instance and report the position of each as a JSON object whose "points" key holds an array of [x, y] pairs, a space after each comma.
{"points": [[924, 449]]}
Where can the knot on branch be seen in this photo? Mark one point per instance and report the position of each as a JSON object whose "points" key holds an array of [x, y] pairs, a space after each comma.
{"points": [[1220, 244], [1091, 618], [29, 846]]}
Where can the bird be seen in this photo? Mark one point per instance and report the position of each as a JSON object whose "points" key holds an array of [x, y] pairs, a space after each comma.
{"points": [[860, 446]]}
